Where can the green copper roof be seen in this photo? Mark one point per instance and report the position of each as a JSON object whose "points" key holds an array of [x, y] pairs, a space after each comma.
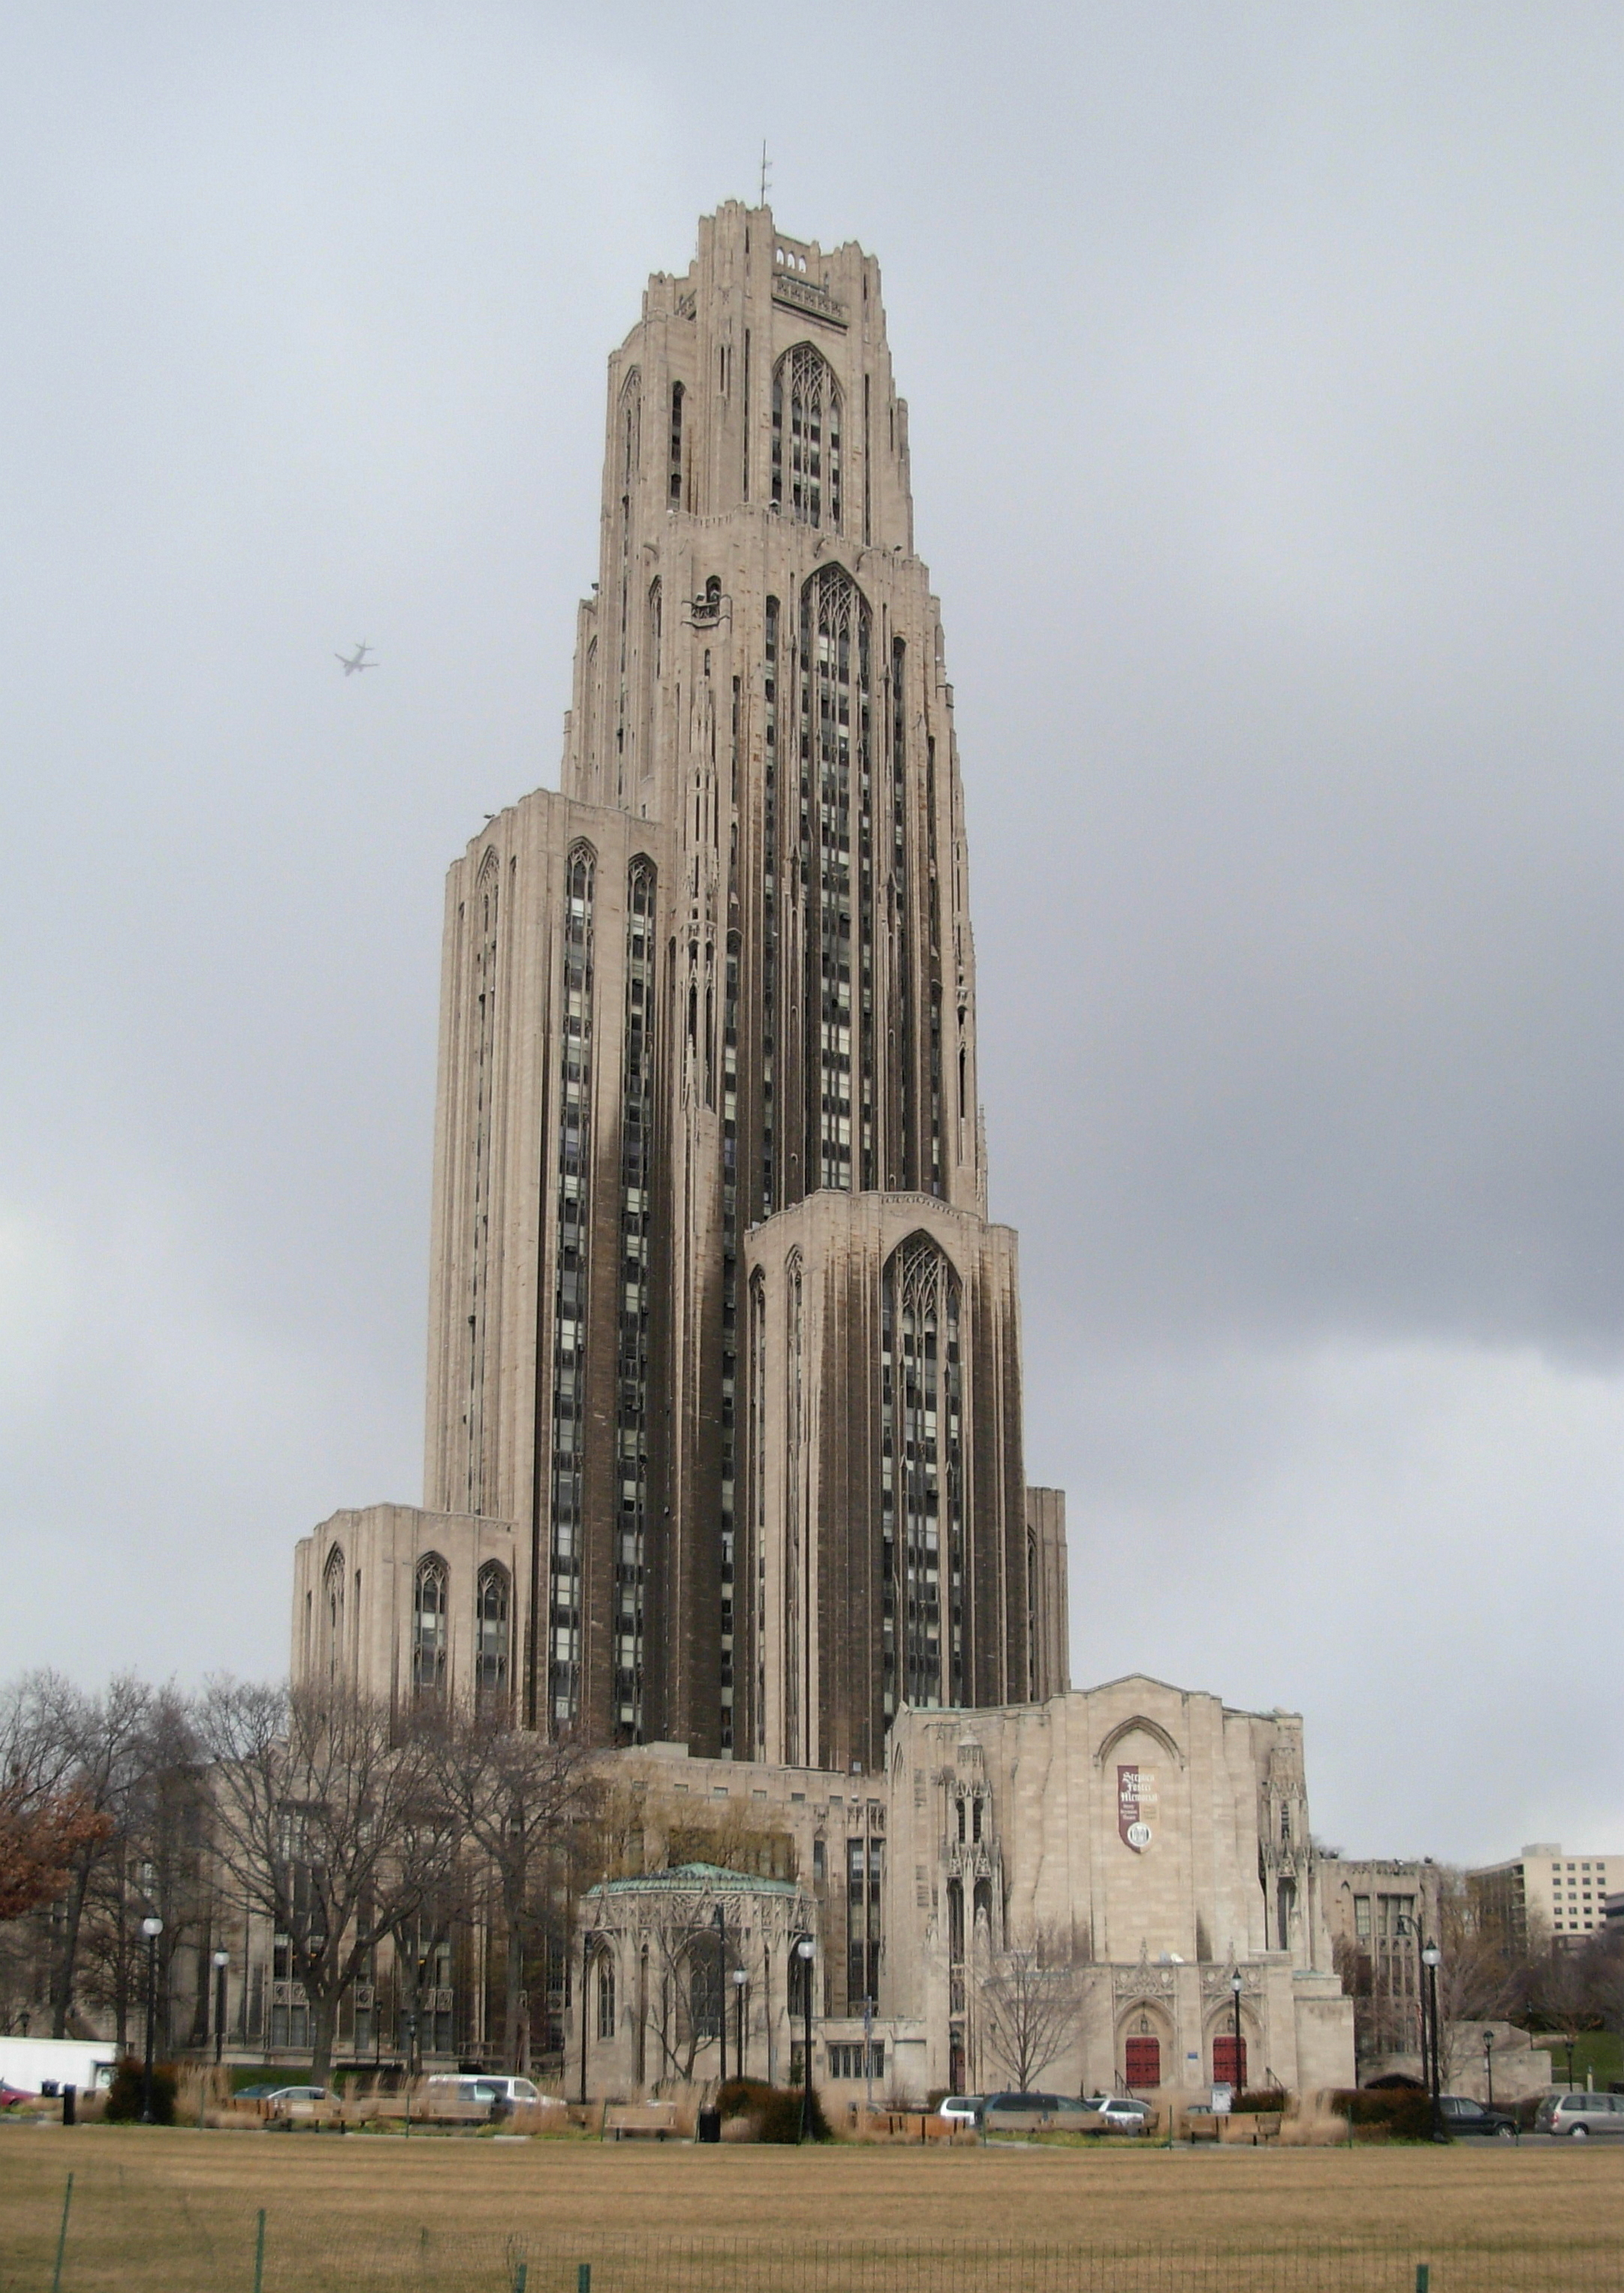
{"points": [[693, 1879]]}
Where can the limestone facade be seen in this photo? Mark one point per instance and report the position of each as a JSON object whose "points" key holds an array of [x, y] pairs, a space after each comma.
{"points": [[724, 981], [723, 1446], [404, 1602], [1155, 1838]]}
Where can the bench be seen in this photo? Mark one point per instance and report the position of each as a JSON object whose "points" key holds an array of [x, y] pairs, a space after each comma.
{"points": [[652, 2121]]}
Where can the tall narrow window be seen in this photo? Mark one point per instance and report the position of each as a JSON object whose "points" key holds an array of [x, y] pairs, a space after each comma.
{"points": [[631, 1366], [758, 1492], [492, 1607], [837, 868], [625, 725], [487, 906], [605, 1996], [428, 1625], [795, 1753], [570, 1290], [332, 1603], [769, 1196], [905, 1131], [922, 1484], [674, 486], [728, 1619], [806, 438]]}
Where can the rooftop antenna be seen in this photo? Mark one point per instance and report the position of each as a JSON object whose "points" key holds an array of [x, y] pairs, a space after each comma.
{"points": [[767, 172]]}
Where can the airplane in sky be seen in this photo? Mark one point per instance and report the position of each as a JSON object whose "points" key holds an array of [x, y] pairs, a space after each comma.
{"points": [[357, 659]]}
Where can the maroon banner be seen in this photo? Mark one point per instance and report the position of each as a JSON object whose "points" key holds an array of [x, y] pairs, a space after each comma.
{"points": [[1135, 1806]]}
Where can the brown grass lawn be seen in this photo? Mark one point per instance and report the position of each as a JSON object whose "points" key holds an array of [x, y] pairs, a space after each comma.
{"points": [[173, 2212]]}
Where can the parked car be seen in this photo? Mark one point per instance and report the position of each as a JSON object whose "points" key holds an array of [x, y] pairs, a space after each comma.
{"points": [[1124, 2113], [510, 2089], [286, 2100], [14, 2093], [1462, 2115], [962, 2109], [1580, 2115], [1027, 2113]]}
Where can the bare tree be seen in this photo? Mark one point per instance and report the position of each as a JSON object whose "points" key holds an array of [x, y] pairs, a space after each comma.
{"points": [[1562, 1996], [331, 1827], [1479, 1980], [1030, 2002], [110, 1738], [515, 1797]]}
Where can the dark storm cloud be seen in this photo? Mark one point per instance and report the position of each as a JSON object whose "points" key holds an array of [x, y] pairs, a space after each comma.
{"points": [[1265, 369]]}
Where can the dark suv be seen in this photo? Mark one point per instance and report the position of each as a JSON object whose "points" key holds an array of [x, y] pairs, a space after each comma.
{"points": [[1461, 2115]]}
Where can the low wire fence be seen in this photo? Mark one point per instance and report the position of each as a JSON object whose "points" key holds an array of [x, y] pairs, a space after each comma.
{"points": [[105, 2241]]}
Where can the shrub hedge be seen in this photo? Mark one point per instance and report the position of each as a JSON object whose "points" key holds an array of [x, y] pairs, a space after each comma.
{"points": [[124, 2094]]}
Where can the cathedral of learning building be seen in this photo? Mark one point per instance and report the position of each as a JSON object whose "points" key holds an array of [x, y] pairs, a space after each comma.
{"points": [[723, 1462]]}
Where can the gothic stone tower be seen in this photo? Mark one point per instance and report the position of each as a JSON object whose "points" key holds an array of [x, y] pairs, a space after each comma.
{"points": [[717, 1323]]}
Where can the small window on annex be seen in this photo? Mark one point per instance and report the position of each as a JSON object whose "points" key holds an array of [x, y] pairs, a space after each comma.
{"points": [[428, 1626], [492, 1607]]}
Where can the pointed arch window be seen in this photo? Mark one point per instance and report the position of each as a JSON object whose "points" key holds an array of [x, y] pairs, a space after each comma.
{"points": [[574, 1168], [631, 1371], [430, 1588], [806, 438], [332, 1604], [492, 1627], [836, 854], [922, 1479]]}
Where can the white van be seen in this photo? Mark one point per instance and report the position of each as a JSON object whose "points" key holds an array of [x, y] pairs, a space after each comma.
{"points": [[46, 2065]]}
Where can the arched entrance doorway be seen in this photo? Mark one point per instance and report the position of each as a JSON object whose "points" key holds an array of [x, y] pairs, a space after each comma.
{"points": [[1144, 2042]]}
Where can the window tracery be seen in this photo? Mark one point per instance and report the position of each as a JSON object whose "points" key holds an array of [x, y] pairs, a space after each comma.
{"points": [[492, 1607], [631, 1374], [837, 864], [805, 466], [922, 1496], [769, 906], [428, 1625], [794, 1754], [487, 908], [728, 1619], [332, 1597], [568, 1509]]}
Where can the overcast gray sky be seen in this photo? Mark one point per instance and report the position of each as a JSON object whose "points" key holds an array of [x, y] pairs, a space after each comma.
{"points": [[1265, 369]]}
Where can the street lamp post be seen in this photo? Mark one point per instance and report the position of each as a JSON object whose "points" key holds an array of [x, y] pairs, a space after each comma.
{"points": [[804, 1949], [1430, 1957], [152, 1926], [1489, 2065], [1406, 1927], [222, 1959], [720, 1921], [1235, 1990], [586, 1985], [740, 1979]]}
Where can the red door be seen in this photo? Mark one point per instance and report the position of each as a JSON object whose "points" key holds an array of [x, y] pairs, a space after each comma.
{"points": [[1230, 2061], [1143, 2061]]}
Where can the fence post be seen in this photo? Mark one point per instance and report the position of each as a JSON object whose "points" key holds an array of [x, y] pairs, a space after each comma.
{"points": [[1423, 2274], [519, 2276], [584, 2277], [61, 2239], [259, 2252]]}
